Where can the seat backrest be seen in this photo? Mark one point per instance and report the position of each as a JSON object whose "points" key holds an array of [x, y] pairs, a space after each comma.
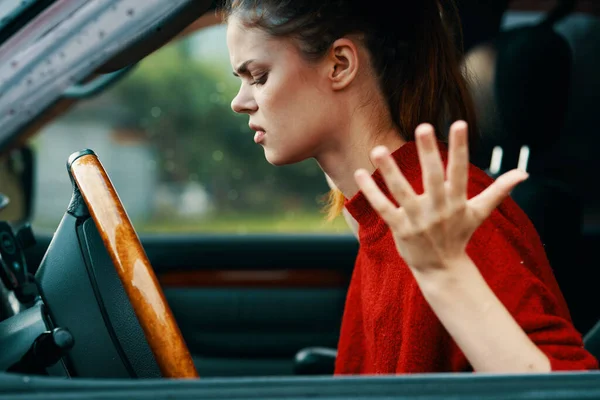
{"points": [[523, 102], [578, 148], [579, 144]]}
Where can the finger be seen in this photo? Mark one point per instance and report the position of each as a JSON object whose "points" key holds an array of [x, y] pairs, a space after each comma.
{"points": [[399, 187], [458, 160], [484, 203], [380, 203], [431, 165]]}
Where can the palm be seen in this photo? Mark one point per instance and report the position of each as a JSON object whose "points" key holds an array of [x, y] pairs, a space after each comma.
{"points": [[434, 227]]}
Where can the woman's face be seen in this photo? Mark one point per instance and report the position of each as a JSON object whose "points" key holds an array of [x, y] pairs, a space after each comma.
{"points": [[288, 100]]}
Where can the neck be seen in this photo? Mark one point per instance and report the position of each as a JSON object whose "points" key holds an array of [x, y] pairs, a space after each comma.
{"points": [[341, 161]]}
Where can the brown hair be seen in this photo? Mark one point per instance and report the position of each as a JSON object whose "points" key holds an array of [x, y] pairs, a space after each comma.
{"points": [[413, 52]]}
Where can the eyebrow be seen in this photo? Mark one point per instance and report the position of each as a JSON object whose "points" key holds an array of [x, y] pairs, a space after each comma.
{"points": [[243, 68]]}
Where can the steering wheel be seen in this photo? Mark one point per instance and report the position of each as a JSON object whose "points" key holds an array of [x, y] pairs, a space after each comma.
{"points": [[132, 266]]}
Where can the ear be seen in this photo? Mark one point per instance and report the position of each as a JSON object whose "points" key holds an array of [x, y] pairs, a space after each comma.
{"points": [[343, 65]]}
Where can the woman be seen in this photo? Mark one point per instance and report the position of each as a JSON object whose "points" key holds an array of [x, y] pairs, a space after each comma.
{"points": [[430, 292]]}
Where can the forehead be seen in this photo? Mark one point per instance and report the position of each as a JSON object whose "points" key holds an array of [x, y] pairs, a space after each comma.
{"points": [[250, 43]]}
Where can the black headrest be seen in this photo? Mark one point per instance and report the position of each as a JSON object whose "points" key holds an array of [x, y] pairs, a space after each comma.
{"points": [[531, 85]]}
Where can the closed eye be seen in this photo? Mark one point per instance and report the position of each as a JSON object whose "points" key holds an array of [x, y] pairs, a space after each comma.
{"points": [[261, 80]]}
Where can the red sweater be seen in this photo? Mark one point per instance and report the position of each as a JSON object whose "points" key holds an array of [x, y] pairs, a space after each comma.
{"points": [[388, 327]]}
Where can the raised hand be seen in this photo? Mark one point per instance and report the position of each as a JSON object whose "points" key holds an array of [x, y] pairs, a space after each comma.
{"points": [[432, 230]]}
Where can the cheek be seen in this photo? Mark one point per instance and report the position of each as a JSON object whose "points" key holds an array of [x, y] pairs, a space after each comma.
{"points": [[277, 91], [280, 103], [267, 100], [295, 103], [288, 89]]}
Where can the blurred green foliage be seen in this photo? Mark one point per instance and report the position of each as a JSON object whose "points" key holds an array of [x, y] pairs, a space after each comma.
{"points": [[181, 104]]}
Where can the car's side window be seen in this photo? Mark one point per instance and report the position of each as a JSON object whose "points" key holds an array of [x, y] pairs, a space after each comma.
{"points": [[180, 159]]}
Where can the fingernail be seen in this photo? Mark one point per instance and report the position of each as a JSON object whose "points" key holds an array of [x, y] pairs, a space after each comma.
{"points": [[379, 152], [424, 135], [460, 124], [380, 149], [360, 172], [423, 130]]}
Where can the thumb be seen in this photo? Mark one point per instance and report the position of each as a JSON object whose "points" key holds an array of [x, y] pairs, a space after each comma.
{"points": [[484, 203]]}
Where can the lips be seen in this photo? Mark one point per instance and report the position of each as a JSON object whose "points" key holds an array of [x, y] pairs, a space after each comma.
{"points": [[256, 128], [259, 136], [260, 133]]}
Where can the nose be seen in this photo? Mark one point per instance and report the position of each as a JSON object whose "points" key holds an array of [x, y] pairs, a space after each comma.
{"points": [[243, 102]]}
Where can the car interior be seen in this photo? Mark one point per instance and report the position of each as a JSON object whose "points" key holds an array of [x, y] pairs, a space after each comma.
{"points": [[97, 305]]}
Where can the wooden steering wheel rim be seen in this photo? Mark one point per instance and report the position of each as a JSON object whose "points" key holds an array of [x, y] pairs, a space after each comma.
{"points": [[132, 265]]}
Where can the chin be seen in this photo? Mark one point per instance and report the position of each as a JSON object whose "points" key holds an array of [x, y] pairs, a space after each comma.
{"points": [[278, 158]]}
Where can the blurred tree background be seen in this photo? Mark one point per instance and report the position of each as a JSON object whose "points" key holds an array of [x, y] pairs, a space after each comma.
{"points": [[180, 102]]}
